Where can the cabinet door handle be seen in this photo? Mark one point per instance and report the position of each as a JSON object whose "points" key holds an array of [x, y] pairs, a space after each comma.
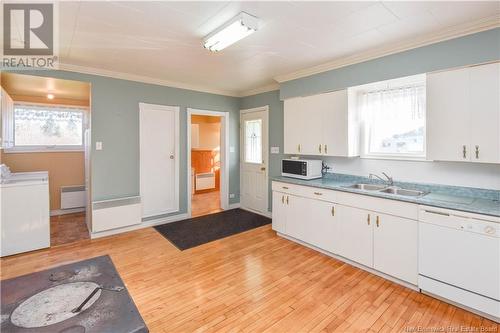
{"points": [[319, 147], [287, 199], [477, 151], [284, 187], [326, 149], [298, 147], [368, 219], [282, 199], [333, 210], [464, 151], [318, 193], [378, 221]]}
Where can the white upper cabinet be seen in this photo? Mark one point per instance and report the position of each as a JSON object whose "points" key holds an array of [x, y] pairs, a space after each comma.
{"points": [[463, 114], [319, 125], [7, 120], [485, 113]]}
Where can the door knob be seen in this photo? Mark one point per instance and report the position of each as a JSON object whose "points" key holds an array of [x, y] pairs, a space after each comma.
{"points": [[171, 157]]}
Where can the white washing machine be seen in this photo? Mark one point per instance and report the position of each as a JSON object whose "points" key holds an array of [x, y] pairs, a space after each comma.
{"points": [[24, 212]]}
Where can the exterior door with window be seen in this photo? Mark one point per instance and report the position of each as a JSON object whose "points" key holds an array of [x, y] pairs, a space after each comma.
{"points": [[254, 160]]}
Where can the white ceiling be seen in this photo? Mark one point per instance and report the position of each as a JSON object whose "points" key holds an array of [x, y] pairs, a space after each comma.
{"points": [[163, 40]]}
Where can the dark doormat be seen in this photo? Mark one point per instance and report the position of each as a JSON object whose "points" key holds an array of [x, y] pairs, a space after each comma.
{"points": [[83, 297], [189, 233]]}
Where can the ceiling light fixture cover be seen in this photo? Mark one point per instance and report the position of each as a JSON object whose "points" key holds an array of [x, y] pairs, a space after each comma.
{"points": [[239, 27], [50, 96]]}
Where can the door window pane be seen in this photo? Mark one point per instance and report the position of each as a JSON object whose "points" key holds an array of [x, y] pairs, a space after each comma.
{"points": [[47, 126], [253, 141]]}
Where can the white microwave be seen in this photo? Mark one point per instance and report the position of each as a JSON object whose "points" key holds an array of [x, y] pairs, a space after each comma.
{"points": [[302, 169]]}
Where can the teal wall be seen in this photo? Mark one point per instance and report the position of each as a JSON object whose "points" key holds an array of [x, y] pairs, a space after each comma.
{"points": [[275, 128], [115, 122], [115, 116], [472, 49]]}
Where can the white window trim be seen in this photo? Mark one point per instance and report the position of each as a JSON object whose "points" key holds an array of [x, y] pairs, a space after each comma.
{"points": [[50, 148], [400, 82]]}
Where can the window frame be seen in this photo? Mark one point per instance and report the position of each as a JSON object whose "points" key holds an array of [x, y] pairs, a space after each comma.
{"points": [[365, 126], [48, 148]]}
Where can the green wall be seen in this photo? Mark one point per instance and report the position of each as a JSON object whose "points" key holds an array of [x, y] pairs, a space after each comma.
{"points": [[472, 49], [275, 128], [115, 122], [115, 116]]}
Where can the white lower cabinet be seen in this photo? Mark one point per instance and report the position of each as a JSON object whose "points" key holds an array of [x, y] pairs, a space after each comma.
{"points": [[323, 217], [312, 221], [356, 230], [395, 247], [279, 212], [384, 242]]}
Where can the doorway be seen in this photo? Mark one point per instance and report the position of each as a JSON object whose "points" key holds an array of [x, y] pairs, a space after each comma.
{"points": [[254, 159], [207, 176], [50, 122]]}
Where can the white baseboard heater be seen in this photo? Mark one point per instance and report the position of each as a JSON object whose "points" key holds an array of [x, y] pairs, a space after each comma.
{"points": [[73, 197], [205, 181], [116, 213]]}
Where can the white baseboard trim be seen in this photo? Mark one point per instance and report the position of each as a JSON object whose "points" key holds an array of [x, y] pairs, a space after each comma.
{"points": [[234, 206], [145, 224], [352, 263], [57, 212], [266, 214]]}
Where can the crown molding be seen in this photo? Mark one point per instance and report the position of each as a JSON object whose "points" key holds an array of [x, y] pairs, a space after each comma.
{"points": [[432, 38], [143, 79], [269, 87]]}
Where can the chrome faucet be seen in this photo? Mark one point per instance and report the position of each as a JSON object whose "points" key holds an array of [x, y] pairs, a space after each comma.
{"points": [[389, 180]]}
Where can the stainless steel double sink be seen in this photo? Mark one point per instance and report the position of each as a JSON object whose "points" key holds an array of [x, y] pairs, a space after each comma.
{"points": [[388, 189]]}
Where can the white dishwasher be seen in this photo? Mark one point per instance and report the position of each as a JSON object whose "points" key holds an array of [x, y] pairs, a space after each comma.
{"points": [[24, 212], [459, 258]]}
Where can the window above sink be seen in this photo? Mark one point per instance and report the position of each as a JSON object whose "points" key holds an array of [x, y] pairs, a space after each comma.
{"points": [[392, 116]]}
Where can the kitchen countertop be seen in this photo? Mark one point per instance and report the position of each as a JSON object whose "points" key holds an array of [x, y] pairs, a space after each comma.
{"points": [[466, 199]]}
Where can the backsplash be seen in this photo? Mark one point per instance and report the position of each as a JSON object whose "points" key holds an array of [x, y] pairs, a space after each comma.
{"points": [[475, 175]]}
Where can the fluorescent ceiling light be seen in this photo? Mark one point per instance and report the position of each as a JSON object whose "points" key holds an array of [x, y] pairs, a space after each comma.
{"points": [[232, 31]]}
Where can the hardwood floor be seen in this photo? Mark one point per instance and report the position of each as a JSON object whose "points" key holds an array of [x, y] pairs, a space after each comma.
{"points": [[68, 228], [205, 203], [254, 282]]}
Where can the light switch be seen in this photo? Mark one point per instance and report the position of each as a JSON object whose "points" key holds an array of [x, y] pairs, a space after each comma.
{"points": [[98, 145], [275, 150], [231, 149]]}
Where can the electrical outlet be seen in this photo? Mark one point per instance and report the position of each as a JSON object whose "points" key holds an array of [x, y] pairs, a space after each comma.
{"points": [[232, 195], [98, 145]]}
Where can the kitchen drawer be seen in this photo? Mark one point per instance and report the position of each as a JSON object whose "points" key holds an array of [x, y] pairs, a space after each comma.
{"points": [[305, 191], [385, 206]]}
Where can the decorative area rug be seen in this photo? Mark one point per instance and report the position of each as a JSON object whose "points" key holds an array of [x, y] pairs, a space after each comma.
{"points": [[84, 297], [196, 231]]}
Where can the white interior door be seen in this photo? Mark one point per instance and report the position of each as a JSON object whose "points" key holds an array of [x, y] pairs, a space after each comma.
{"points": [[159, 163], [254, 160]]}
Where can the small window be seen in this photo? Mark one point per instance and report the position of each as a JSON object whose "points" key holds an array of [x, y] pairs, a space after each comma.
{"points": [[253, 141], [393, 116], [43, 127]]}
